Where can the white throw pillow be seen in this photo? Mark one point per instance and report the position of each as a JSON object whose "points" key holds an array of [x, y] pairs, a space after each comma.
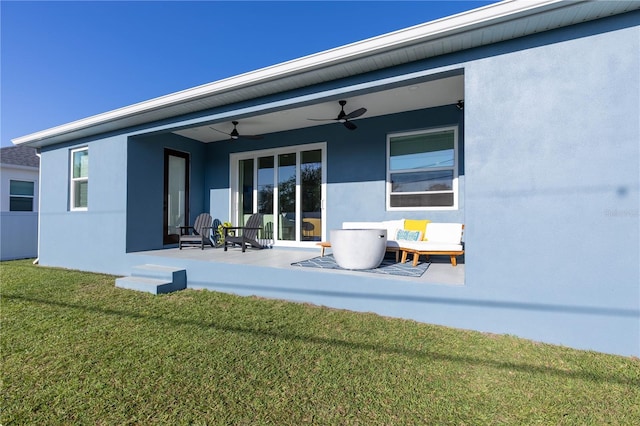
{"points": [[444, 232]]}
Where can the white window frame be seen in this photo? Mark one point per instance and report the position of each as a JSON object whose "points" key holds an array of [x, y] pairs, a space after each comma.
{"points": [[74, 180], [454, 168], [235, 159], [32, 197]]}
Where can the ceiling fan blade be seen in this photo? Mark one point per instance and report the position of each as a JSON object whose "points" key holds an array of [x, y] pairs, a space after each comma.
{"points": [[344, 117], [255, 137], [213, 128], [356, 113], [349, 125]]}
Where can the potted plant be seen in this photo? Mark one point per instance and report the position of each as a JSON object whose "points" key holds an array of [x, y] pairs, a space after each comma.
{"points": [[220, 231]]}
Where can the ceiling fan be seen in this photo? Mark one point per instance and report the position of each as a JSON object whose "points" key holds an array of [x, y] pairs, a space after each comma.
{"points": [[343, 117], [234, 135]]}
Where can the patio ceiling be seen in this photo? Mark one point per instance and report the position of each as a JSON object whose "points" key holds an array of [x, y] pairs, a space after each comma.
{"points": [[410, 97]]}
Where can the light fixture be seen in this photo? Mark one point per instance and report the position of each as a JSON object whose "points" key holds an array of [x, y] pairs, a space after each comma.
{"points": [[460, 105]]}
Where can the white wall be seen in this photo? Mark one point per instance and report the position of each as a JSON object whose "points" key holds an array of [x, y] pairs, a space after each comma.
{"points": [[18, 230]]}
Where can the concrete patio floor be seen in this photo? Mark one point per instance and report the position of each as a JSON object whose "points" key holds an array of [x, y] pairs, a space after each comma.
{"points": [[439, 272]]}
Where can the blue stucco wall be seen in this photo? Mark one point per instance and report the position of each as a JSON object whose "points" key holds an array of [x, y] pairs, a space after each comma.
{"points": [[145, 187], [356, 189], [552, 181], [92, 240]]}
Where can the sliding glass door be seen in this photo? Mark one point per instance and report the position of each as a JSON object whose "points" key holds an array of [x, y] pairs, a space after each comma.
{"points": [[285, 185]]}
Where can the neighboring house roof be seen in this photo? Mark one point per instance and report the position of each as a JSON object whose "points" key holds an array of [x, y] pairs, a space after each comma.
{"points": [[19, 156], [494, 23]]}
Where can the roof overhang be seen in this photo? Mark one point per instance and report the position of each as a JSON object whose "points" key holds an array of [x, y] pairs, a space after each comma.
{"points": [[494, 23]]}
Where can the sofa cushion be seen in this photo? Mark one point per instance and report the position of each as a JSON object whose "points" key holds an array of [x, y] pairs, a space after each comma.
{"points": [[444, 232], [406, 235], [429, 246], [417, 225]]}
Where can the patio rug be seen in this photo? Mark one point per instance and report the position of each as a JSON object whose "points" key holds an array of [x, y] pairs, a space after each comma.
{"points": [[387, 267]]}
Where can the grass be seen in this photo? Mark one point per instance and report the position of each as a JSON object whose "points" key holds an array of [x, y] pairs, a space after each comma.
{"points": [[77, 350]]}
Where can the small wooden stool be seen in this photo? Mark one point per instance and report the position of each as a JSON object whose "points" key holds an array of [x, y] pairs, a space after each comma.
{"points": [[323, 245]]}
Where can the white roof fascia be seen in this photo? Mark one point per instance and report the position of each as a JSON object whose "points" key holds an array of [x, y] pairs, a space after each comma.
{"points": [[448, 26]]}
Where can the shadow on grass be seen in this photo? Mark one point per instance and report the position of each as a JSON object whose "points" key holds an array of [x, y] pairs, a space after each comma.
{"points": [[506, 365]]}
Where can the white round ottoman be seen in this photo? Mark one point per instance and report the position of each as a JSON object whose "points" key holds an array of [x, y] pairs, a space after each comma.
{"points": [[358, 248]]}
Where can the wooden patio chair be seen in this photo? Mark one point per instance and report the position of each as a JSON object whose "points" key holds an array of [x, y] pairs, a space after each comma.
{"points": [[244, 235], [199, 234]]}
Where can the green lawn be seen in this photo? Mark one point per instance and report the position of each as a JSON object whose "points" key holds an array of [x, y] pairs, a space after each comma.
{"points": [[77, 350]]}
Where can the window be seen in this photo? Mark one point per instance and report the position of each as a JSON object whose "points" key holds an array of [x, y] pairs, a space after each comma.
{"points": [[79, 178], [422, 170], [21, 196]]}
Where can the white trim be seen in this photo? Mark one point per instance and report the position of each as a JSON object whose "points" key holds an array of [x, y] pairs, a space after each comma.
{"points": [[234, 196], [454, 183], [72, 180]]}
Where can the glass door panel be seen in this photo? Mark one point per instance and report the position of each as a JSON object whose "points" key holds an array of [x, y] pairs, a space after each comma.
{"points": [[311, 195], [287, 196], [176, 194], [265, 184], [245, 183]]}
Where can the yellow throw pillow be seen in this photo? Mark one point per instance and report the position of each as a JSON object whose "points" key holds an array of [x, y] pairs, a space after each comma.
{"points": [[417, 225]]}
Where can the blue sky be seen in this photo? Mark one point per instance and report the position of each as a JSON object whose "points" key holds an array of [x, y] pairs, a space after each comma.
{"points": [[64, 61]]}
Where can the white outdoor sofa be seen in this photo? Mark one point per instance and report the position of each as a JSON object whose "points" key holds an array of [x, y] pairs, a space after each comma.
{"points": [[439, 239]]}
